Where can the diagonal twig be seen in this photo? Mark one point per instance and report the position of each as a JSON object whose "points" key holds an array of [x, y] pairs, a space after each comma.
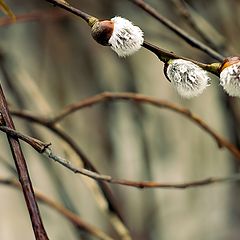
{"points": [[180, 32], [106, 178], [72, 217], [110, 200], [33, 16]]}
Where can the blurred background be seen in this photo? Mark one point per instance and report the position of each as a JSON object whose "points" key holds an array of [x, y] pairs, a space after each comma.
{"points": [[51, 61]]}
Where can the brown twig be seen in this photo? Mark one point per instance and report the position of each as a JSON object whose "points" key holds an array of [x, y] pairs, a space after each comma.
{"points": [[184, 11], [73, 10], [9, 166], [106, 178], [180, 32], [23, 174], [33, 16], [38, 145], [137, 184], [86, 161], [140, 98], [102, 192], [73, 218]]}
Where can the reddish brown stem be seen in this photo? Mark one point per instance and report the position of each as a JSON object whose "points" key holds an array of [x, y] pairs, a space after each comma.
{"points": [[23, 174]]}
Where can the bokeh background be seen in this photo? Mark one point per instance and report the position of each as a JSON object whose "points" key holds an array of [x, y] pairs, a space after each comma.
{"points": [[52, 61]]}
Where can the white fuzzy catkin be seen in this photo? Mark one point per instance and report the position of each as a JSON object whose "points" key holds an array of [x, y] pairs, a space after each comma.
{"points": [[126, 38], [230, 80], [189, 79]]}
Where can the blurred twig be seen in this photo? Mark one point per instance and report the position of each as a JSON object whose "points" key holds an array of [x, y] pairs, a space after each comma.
{"points": [[33, 16], [184, 11], [73, 218], [9, 166], [177, 30]]}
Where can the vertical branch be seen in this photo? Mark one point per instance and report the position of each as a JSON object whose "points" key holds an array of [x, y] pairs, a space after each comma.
{"points": [[23, 174]]}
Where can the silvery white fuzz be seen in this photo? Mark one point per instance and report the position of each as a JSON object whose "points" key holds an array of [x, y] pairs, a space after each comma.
{"points": [[189, 79], [230, 79], [126, 38]]}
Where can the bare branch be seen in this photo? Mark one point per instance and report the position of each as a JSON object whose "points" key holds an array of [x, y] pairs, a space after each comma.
{"points": [[184, 11], [35, 143], [143, 184], [177, 30], [73, 218], [112, 205], [140, 98], [106, 178], [23, 174]]}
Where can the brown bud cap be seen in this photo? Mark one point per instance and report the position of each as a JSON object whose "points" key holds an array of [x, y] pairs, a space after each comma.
{"points": [[228, 62], [102, 31]]}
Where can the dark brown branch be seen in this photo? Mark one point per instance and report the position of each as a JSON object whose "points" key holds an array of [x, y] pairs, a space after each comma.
{"points": [[23, 174], [140, 98], [73, 218], [180, 32], [112, 205]]}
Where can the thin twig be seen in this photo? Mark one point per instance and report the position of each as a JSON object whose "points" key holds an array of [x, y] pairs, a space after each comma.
{"points": [[33, 16], [112, 206], [73, 218], [180, 32], [100, 190], [9, 166], [23, 174], [138, 184], [35, 143], [73, 10], [184, 11], [140, 98], [106, 178]]}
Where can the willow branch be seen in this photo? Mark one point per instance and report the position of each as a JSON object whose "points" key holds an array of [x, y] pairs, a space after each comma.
{"points": [[22, 170], [106, 178], [177, 30], [163, 55], [140, 98], [112, 205], [138, 184], [73, 218]]}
